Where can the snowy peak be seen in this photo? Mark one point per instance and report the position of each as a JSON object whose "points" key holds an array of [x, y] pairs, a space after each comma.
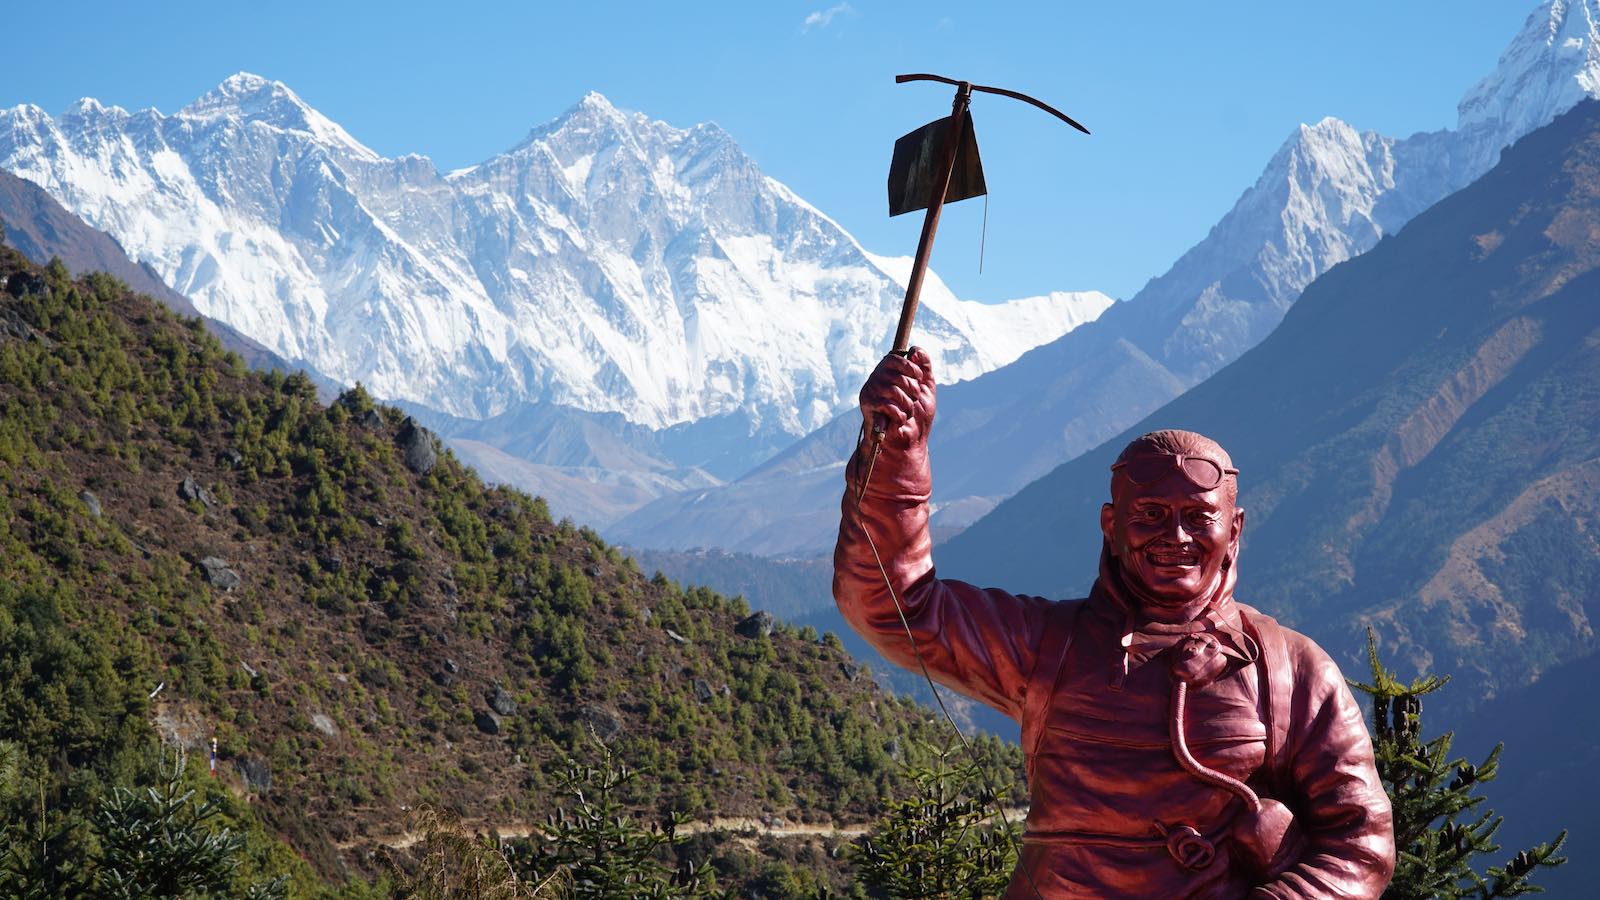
{"points": [[595, 124], [592, 107], [594, 120], [246, 97], [249, 96], [89, 106], [615, 172], [1325, 151], [1552, 64]]}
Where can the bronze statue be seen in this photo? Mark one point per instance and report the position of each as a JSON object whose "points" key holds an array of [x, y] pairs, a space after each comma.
{"points": [[1177, 743]]}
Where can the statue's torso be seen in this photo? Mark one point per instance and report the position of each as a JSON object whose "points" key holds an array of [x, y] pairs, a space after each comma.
{"points": [[1106, 785]]}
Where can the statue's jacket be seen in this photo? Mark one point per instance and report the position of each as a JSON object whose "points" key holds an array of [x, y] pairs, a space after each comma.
{"points": [[1107, 795]]}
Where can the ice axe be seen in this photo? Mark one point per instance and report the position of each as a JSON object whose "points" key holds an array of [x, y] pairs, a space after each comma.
{"points": [[934, 165]]}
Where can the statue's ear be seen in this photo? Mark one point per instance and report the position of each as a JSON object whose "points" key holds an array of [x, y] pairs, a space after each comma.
{"points": [[1233, 539], [1108, 526]]}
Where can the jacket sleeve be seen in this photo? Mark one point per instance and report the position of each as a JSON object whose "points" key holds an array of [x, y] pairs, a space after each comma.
{"points": [[1336, 794], [981, 643]]}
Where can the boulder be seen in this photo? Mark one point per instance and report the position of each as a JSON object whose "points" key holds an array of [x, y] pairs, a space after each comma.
{"points": [[13, 325], [231, 458], [322, 723], [501, 702], [487, 722], [676, 636], [602, 722], [255, 773], [417, 443], [23, 283], [703, 691], [219, 574], [90, 501], [189, 489], [758, 624]]}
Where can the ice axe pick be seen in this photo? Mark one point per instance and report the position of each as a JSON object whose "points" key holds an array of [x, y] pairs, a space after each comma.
{"points": [[934, 165]]}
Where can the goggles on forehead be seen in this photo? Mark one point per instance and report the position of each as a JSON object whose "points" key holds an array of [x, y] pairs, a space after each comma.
{"points": [[1203, 473]]}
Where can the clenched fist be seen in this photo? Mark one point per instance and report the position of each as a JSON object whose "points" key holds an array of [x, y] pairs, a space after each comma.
{"points": [[901, 390]]}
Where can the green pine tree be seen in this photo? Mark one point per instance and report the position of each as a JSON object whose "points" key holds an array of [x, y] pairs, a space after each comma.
{"points": [[604, 852], [939, 843], [39, 858], [164, 842], [1440, 825]]}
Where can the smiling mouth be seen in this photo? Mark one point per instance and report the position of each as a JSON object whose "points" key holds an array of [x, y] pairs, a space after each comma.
{"points": [[1173, 559]]}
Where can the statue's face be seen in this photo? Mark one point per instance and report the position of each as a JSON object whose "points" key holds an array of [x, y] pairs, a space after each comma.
{"points": [[1172, 537]]}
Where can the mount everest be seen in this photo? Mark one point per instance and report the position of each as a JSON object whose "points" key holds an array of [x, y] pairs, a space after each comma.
{"points": [[607, 264]]}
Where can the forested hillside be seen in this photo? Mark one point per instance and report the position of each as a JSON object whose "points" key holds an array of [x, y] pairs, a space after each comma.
{"points": [[195, 550]]}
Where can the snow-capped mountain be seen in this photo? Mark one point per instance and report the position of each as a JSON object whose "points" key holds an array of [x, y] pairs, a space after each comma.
{"points": [[608, 263], [1330, 193], [1551, 65]]}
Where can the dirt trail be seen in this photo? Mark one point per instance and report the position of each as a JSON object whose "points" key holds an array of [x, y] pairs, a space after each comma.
{"points": [[737, 825], [741, 824], [745, 829]]}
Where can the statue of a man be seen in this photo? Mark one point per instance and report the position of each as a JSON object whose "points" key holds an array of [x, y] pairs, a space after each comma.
{"points": [[1177, 743]]}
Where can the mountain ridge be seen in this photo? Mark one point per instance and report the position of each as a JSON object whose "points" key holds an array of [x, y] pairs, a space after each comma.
{"points": [[608, 261]]}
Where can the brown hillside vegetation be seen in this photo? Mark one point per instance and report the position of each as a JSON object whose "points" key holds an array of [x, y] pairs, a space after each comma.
{"points": [[360, 622]]}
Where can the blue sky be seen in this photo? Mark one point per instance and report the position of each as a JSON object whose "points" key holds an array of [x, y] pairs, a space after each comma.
{"points": [[1187, 100]]}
